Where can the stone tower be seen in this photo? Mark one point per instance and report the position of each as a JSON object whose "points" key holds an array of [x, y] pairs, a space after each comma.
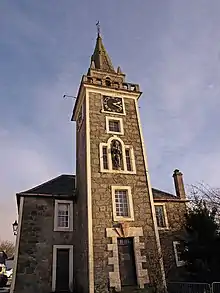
{"points": [[117, 242]]}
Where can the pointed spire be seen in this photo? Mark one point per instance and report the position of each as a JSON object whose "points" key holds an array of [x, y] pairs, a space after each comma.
{"points": [[100, 56]]}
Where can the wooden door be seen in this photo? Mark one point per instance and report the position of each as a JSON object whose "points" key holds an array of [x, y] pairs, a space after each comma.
{"points": [[127, 262], [62, 270]]}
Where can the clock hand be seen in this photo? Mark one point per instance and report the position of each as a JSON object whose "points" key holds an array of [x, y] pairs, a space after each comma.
{"points": [[117, 104]]}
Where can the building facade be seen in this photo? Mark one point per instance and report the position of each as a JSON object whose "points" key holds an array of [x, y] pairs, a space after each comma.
{"points": [[104, 229]]}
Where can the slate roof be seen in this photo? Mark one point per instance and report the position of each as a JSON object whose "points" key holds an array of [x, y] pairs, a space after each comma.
{"points": [[64, 185], [159, 194]]}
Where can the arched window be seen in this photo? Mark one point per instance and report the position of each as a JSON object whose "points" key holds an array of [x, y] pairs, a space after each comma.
{"points": [[108, 81], [117, 157]]}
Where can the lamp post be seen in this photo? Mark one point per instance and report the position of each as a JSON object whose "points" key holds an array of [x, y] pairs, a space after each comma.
{"points": [[15, 227]]}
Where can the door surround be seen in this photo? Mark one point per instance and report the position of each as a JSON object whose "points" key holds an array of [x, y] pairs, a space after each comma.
{"points": [[142, 274], [127, 266], [54, 265]]}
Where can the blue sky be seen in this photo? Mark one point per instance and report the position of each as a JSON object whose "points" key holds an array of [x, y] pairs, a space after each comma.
{"points": [[171, 48]]}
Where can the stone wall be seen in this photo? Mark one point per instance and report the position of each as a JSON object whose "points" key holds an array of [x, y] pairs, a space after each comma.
{"points": [[34, 268], [175, 213], [102, 197], [81, 213]]}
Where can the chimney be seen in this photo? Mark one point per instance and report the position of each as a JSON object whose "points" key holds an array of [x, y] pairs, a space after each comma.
{"points": [[179, 185]]}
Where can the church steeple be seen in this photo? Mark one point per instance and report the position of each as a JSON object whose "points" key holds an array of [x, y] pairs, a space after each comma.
{"points": [[100, 59]]}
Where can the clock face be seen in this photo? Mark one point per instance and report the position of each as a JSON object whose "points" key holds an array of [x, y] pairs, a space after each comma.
{"points": [[113, 104]]}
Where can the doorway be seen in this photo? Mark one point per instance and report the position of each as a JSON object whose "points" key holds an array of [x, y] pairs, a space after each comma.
{"points": [[62, 275], [127, 265]]}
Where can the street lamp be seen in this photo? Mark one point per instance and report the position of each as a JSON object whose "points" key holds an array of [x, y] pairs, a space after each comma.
{"points": [[15, 227]]}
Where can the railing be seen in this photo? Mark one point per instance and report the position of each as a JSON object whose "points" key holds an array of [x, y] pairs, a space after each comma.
{"points": [[215, 287], [185, 287]]}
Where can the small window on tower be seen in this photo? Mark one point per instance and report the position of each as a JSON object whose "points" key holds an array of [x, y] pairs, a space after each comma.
{"points": [[114, 125], [128, 159], [122, 203], [105, 157]]}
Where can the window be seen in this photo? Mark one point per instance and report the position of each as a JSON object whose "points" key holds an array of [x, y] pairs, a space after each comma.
{"points": [[114, 125], [63, 215], [128, 159], [122, 203], [105, 157], [161, 216], [178, 251]]}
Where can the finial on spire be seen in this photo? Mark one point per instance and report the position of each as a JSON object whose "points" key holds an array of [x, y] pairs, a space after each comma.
{"points": [[98, 28]]}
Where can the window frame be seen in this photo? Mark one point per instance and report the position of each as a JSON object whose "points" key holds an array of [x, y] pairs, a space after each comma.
{"points": [[108, 118], [131, 158], [70, 216], [106, 155], [179, 263], [165, 216], [130, 204]]}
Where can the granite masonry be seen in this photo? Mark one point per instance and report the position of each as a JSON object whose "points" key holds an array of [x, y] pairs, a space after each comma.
{"points": [[104, 229]]}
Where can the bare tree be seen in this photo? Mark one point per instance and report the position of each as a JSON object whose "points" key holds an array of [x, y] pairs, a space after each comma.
{"points": [[8, 247], [204, 192]]}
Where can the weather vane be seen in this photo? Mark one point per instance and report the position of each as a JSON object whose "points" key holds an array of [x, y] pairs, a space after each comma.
{"points": [[98, 27]]}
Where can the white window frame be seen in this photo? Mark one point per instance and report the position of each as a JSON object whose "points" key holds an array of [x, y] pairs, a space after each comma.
{"points": [[178, 262], [130, 204], [165, 216], [110, 167], [70, 203], [54, 267], [108, 118]]}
